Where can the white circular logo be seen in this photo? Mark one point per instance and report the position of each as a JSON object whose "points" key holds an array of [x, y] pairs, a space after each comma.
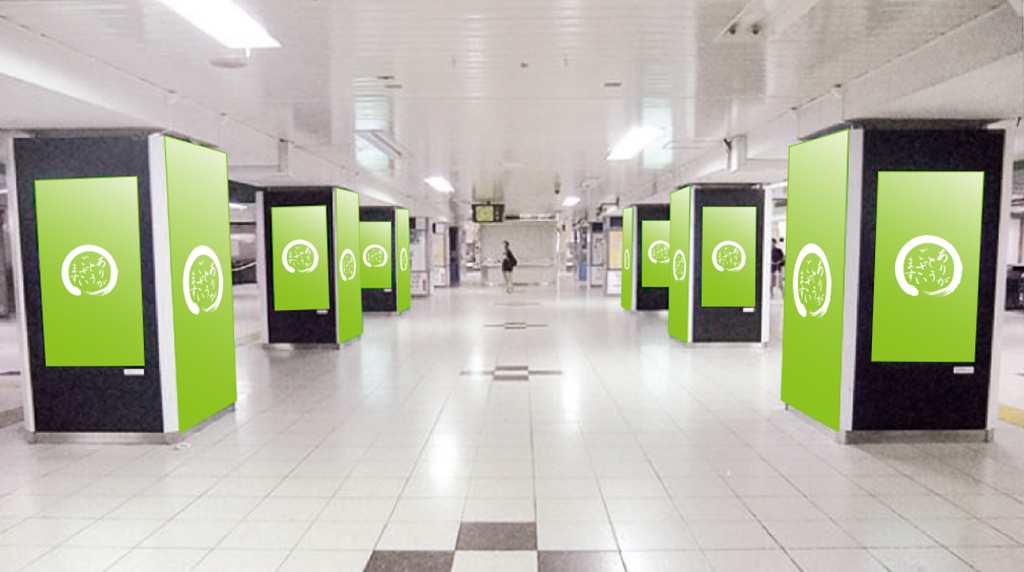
{"points": [[812, 282], [679, 266], [928, 265], [403, 260], [202, 282], [375, 256], [626, 260], [658, 251], [728, 256], [300, 256], [89, 269], [347, 265]]}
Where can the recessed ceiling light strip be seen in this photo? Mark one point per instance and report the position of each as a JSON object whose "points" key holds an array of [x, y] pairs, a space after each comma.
{"points": [[225, 21]]}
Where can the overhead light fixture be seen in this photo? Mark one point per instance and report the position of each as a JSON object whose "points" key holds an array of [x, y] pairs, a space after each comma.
{"points": [[385, 142], [634, 142], [440, 184], [225, 21], [571, 201]]}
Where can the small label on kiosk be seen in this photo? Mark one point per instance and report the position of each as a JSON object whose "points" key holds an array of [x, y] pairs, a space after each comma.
{"points": [[963, 370], [134, 372], [749, 310], [387, 289], [322, 312]]}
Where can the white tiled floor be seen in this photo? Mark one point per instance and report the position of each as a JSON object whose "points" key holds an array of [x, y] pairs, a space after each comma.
{"points": [[678, 458], [1011, 379]]}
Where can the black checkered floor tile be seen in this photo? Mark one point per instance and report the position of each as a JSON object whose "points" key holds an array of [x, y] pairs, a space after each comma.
{"points": [[510, 372], [515, 326], [482, 538]]}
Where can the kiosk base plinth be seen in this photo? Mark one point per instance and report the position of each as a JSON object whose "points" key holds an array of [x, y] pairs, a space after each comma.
{"points": [[104, 438], [883, 437]]}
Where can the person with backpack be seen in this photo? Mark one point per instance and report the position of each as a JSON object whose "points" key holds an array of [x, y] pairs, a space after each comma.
{"points": [[507, 264]]}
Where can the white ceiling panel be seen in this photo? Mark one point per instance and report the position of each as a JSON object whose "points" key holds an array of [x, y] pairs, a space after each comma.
{"points": [[24, 107], [506, 97]]}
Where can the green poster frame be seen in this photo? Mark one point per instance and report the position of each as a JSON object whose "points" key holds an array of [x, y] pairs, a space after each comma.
{"points": [[349, 291], [628, 232], [680, 293], [374, 239], [90, 272], [302, 283], [656, 254], [403, 265], [199, 230], [729, 232], [926, 270], [815, 271]]}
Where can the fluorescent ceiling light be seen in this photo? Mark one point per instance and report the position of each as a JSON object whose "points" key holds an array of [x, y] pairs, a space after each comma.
{"points": [[225, 21], [440, 184], [634, 142], [384, 141], [571, 201]]}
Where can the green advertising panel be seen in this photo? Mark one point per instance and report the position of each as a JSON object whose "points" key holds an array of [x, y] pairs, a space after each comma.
{"points": [[403, 273], [200, 240], [728, 277], [680, 206], [90, 273], [375, 241], [346, 237], [657, 254], [299, 247], [927, 254], [812, 339], [628, 224]]}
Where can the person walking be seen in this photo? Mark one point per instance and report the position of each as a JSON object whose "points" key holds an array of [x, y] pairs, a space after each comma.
{"points": [[507, 264]]}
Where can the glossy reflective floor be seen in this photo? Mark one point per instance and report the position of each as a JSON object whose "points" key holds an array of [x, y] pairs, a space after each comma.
{"points": [[597, 442]]}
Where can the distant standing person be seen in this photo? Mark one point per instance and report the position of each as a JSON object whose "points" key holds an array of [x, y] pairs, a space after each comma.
{"points": [[778, 266], [507, 264]]}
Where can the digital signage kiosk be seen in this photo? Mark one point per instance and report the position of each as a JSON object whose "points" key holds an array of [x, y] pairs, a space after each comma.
{"points": [[646, 259], [385, 259], [717, 289], [891, 280], [310, 275], [124, 269]]}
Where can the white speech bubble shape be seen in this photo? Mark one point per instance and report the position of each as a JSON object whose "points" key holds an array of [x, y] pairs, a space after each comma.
{"points": [[723, 244], [65, 270], [809, 249], [198, 251], [901, 259], [341, 265], [679, 256], [284, 256], [650, 251], [367, 250]]}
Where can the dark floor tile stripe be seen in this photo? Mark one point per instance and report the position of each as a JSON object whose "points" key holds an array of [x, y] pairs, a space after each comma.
{"points": [[579, 562], [497, 536], [410, 561]]}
